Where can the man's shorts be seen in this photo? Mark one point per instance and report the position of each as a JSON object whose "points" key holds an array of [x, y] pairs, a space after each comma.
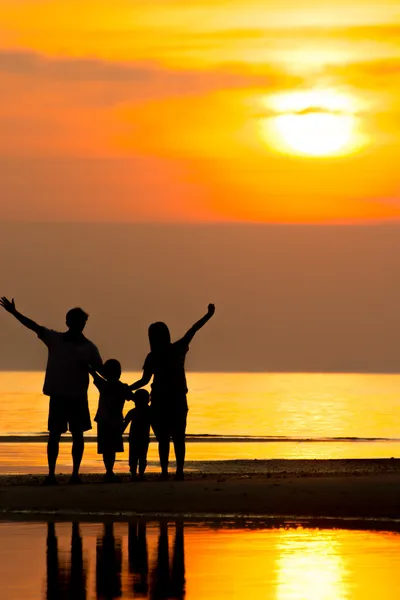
{"points": [[69, 413]]}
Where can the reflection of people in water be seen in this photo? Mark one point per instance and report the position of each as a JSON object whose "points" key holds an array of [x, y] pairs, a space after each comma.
{"points": [[108, 565], [77, 580], [166, 582], [177, 589], [138, 558], [52, 564], [67, 580]]}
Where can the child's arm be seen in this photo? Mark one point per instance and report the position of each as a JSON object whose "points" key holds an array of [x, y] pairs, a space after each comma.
{"points": [[129, 395], [127, 420], [189, 335], [97, 379]]}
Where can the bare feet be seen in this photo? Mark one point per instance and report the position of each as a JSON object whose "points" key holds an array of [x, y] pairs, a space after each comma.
{"points": [[111, 478], [75, 480], [50, 480]]}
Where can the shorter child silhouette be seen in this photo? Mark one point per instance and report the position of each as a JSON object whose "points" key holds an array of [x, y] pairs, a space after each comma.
{"points": [[109, 417], [139, 433]]}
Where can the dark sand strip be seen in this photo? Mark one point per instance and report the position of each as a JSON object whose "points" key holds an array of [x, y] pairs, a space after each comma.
{"points": [[374, 493]]}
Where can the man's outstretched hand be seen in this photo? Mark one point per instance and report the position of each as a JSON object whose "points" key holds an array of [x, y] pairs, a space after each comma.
{"points": [[211, 309], [9, 305]]}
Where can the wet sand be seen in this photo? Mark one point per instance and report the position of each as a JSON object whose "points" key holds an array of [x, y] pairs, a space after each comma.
{"points": [[308, 488]]}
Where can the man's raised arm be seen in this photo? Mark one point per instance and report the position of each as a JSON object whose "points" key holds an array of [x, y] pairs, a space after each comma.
{"points": [[9, 306]]}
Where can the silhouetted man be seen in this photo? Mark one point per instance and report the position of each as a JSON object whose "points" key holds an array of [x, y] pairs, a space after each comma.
{"points": [[66, 580], [66, 382]]}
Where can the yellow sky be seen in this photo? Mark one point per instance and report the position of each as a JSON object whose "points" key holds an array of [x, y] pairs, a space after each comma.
{"points": [[242, 110]]}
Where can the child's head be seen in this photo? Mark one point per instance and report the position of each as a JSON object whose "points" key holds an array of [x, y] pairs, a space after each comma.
{"points": [[159, 336], [142, 398], [112, 369]]}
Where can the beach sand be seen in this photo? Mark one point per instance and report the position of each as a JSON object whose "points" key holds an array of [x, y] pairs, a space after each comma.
{"points": [[289, 488]]}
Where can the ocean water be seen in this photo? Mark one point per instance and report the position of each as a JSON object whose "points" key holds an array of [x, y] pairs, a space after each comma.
{"points": [[159, 560], [231, 416]]}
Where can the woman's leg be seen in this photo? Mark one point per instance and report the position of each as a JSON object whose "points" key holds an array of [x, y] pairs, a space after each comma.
{"points": [[163, 452], [160, 427], [179, 439]]}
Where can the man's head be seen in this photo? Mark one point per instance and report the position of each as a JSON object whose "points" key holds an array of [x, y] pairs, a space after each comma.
{"points": [[76, 320]]}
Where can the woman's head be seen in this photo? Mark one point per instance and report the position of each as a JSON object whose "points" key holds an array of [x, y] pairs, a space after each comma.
{"points": [[159, 336]]}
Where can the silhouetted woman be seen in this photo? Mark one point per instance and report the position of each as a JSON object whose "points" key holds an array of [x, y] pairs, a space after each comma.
{"points": [[166, 362]]}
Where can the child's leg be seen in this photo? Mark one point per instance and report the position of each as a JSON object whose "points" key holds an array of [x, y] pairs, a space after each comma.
{"points": [[133, 458], [109, 460], [143, 458]]}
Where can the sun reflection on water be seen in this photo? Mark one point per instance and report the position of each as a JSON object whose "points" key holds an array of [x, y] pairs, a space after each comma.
{"points": [[310, 566]]}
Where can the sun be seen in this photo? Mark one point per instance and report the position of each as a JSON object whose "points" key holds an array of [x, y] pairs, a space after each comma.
{"points": [[313, 123]]}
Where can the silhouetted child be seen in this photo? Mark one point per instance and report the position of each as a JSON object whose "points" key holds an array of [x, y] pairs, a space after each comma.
{"points": [[109, 417], [139, 433]]}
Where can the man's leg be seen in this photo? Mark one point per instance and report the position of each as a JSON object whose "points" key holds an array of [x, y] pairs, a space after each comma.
{"points": [[109, 461], [180, 451], [78, 446], [53, 445]]}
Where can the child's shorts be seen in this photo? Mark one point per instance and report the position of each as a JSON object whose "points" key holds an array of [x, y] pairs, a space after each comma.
{"points": [[138, 450], [109, 439]]}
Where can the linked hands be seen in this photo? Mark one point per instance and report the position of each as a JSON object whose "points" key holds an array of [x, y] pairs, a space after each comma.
{"points": [[8, 305]]}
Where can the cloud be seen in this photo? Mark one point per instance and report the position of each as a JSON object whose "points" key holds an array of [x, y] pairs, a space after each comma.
{"points": [[234, 75], [370, 74], [254, 36], [86, 107], [86, 69]]}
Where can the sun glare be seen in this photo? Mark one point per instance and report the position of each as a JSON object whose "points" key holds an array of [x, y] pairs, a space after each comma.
{"points": [[316, 123]]}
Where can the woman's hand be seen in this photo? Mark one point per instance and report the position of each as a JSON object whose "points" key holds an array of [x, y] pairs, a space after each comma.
{"points": [[211, 309]]}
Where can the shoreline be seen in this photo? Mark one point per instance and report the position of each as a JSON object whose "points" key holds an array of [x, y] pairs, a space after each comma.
{"points": [[349, 489]]}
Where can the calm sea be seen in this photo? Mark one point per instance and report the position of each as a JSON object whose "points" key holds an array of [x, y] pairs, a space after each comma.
{"points": [[231, 416], [88, 561]]}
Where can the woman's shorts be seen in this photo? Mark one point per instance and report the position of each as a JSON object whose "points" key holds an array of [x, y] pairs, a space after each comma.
{"points": [[169, 424]]}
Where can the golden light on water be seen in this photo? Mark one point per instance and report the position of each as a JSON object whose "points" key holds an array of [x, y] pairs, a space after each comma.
{"points": [[313, 123], [310, 567]]}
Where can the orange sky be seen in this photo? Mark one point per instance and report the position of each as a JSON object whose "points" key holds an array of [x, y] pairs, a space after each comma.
{"points": [[120, 110]]}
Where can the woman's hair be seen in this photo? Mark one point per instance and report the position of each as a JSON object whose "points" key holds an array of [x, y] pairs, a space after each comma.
{"points": [[159, 336]]}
